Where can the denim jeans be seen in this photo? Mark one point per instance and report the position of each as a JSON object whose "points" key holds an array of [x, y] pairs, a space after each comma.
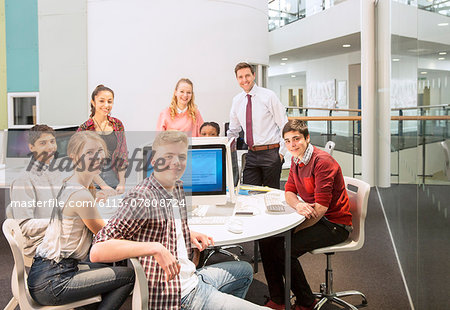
{"points": [[52, 284], [221, 286]]}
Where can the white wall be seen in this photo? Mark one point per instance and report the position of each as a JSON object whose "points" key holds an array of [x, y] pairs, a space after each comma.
{"points": [[319, 70], [276, 84], [141, 48], [62, 62]]}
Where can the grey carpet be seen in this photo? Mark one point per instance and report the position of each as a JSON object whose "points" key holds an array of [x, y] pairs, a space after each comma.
{"points": [[372, 270]]}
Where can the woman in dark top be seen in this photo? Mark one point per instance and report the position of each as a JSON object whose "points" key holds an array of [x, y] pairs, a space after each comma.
{"points": [[113, 133]]}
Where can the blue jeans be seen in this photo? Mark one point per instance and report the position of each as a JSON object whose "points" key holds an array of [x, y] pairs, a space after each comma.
{"points": [[221, 286], [52, 284]]}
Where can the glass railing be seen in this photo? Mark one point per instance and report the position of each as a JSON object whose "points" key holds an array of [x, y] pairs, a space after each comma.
{"points": [[436, 6], [284, 12], [417, 130], [418, 138]]}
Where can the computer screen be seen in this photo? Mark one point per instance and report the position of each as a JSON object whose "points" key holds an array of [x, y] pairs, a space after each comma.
{"points": [[63, 136], [211, 170], [205, 170], [17, 143]]}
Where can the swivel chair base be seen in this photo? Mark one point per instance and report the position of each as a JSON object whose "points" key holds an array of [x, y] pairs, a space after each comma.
{"points": [[326, 291], [335, 297], [223, 250]]}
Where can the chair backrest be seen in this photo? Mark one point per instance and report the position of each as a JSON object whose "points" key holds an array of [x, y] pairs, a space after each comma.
{"points": [[445, 147], [358, 193], [140, 291], [329, 147], [14, 236]]}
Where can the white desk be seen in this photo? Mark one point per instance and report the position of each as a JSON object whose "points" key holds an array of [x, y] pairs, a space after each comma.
{"points": [[261, 225], [258, 226]]}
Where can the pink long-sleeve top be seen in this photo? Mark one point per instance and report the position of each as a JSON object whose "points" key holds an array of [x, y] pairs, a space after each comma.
{"points": [[181, 122]]}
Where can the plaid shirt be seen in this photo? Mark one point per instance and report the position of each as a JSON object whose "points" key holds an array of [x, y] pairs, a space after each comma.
{"points": [[306, 156], [120, 155], [135, 220]]}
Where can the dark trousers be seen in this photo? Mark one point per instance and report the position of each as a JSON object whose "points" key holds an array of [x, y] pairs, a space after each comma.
{"points": [[321, 234], [263, 168]]}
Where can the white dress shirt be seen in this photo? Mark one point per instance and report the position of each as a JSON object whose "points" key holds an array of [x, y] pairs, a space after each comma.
{"points": [[268, 117]]}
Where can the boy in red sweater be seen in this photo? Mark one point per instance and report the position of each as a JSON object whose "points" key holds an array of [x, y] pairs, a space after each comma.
{"points": [[317, 179]]}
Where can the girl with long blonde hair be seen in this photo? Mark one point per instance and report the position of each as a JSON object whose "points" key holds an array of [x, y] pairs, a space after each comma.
{"points": [[182, 114]]}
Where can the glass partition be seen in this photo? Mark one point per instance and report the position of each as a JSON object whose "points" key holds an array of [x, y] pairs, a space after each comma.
{"points": [[416, 204]]}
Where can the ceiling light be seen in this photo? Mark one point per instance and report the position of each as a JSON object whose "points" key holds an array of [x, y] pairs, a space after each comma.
{"points": [[442, 24], [441, 58], [346, 45], [283, 63], [442, 53], [423, 72], [284, 59], [293, 75], [395, 59]]}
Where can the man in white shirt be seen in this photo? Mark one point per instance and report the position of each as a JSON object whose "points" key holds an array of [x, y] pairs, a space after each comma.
{"points": [[262, 116], [33, 193]]}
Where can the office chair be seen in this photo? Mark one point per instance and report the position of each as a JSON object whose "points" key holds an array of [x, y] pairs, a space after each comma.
{"points": [[13, 303], [329, 147], [358, 194], [445, 147], [19, 287], [140, 290]]}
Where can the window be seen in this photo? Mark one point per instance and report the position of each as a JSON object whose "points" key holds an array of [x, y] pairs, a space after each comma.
{"points": [[23, 109]]}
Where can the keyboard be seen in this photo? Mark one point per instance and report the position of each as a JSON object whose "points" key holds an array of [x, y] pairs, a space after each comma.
{"points": [[208, 220], [273, 202]]}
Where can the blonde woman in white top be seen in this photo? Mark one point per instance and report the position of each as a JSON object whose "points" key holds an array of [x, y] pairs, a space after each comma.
{"points": [[54, 278]]}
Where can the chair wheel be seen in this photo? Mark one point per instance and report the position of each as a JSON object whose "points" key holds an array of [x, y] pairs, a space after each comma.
{"points": [[242, 252], [364, 302]]}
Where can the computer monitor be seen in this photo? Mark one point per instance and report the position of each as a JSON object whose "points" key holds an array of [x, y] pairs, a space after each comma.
{"points": [[17, 152], [63, 135], [210, 170]]}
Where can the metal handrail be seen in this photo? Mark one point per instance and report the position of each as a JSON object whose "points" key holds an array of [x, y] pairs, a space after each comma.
{"points": [[423, 107]]}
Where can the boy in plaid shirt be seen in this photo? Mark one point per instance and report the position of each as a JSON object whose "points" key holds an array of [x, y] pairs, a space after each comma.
{"points": [[151, 224]]}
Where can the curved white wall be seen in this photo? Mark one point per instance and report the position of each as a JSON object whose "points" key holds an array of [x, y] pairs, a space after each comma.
{"points": [[141, 48]]}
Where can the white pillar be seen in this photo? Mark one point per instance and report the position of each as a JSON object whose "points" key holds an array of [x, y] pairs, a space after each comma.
{"points": [[383, 45], [368, 123]]}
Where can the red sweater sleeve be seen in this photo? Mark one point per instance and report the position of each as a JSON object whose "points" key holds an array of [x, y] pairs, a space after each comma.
{"points": [[325, 171], [290, 184]]}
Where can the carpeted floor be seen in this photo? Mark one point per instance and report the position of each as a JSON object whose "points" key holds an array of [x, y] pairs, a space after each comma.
{"points": [[372, 270]]}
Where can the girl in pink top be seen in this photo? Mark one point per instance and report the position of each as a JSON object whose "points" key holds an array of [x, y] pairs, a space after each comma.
{"points": [[182, 114]]}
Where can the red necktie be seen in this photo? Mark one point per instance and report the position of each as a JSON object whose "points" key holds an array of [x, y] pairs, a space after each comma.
{"points": [[248, 121]]}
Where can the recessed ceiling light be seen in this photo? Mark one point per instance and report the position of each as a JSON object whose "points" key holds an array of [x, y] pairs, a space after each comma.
{"points": [[441, 58], [395, 59], [284, 59], [442, 24], [423, 72], [442, 53], [293, 75], [346, 45], [283, 63]]}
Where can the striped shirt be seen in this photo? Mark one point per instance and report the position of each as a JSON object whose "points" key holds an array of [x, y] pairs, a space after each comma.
{"points": [[146, 215]]}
